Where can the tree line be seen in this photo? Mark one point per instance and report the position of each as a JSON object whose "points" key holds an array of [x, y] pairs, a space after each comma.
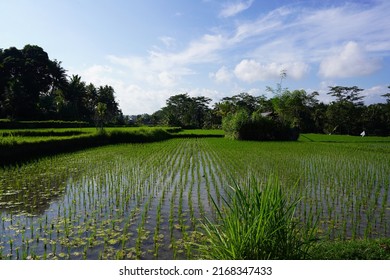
{"points": [[298, 109], [33, 87]]}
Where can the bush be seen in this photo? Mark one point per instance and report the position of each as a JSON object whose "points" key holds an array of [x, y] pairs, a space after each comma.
{"points": [[138, 136], [257, 222], [256, 127]]}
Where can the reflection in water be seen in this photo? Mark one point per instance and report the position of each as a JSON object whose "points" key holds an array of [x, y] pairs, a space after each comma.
{"points": [[146, 201], [112, 204], [32, 193]]}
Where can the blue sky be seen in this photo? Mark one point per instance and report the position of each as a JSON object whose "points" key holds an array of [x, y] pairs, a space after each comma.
{"points": [[149, 50]]}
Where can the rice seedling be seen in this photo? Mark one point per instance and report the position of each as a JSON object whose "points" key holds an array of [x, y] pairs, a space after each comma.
{"points": [[147, 200]]}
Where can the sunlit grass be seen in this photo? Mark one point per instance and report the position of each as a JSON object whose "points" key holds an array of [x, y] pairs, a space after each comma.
{"points": [[148, 201], [257, 221]]}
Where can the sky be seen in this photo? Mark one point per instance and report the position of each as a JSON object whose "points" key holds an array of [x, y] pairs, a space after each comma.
{"points": [[149, 50]]}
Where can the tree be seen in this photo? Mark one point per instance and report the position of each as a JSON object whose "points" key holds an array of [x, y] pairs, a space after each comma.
{"points": [[27, 76], [242, 101], [318, 114], [101, 115], [89, 101], [106, 95], [34, 87], [347, 94], [185, 111], [387, 96], [3, 80], [51, 101], [376, 119], [74, 95], [344, 114], [279, 89], [295, 108], [13, 89]]}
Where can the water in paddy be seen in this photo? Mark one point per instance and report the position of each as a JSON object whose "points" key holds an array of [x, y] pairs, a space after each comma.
{"points": [[145, 201], [122, 202]]}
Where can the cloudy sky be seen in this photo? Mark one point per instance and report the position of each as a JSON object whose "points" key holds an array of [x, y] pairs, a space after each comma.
{"points": [[149, 50]]}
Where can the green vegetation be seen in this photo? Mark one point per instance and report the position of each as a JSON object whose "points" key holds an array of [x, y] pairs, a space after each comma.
{"points": [[17, 145], [21, 145], [346, 114], [65, 196], [34, 87], [242, 126], [149, 201], [7, 124], [366, 249], [257, 222]]}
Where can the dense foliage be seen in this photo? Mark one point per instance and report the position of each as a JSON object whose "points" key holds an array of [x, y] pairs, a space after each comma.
{"points": [[33, 87], [242, 126], [347, 114], [184, 111]]}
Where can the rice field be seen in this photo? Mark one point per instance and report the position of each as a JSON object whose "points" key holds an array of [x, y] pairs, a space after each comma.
{"points": [[148, 201]]}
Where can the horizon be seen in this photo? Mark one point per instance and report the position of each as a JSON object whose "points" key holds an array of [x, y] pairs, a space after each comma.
{"points": [[151, 50]]}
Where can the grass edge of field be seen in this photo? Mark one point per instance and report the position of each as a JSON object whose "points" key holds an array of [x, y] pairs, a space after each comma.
{"points": [[358, 249]]}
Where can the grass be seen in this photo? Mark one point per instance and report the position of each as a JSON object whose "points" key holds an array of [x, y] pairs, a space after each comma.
{"points": [[18, 146], [202, 132], [257, 222], [341, 138], [148, 200], [363, 249], [49, 134]]}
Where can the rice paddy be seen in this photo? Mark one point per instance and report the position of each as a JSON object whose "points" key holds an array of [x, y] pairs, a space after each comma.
{"points": [[149, 201]]}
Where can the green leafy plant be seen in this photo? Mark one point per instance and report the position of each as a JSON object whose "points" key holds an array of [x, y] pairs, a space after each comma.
{"points": [[257, 222]]}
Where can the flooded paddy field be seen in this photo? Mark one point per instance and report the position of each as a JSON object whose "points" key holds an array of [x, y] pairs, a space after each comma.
{"points": [[148, 201]]}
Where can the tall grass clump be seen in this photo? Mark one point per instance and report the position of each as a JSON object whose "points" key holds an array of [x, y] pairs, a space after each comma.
{"points": [[257, 222]]}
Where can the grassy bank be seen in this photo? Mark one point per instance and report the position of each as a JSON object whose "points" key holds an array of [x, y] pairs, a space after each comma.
{"points": [[362, 249], [19, 146]]}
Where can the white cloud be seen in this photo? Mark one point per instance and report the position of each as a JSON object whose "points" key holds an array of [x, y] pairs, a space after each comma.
{"points": [[374, 94], [288, 38], [167, 79], [199, 51], [292, 38], [231, 9], [168, 41], [350, 61], [223, 75], [252, 71], [215, 95], [261, 29], [293, 33]]}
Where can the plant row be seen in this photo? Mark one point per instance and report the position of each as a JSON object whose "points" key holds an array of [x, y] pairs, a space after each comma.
{"points": [[12, 151], [7, 124]]}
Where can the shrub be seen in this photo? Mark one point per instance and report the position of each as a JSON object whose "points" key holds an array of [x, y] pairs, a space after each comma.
{"points": [[256, 127], [257, 223]]}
